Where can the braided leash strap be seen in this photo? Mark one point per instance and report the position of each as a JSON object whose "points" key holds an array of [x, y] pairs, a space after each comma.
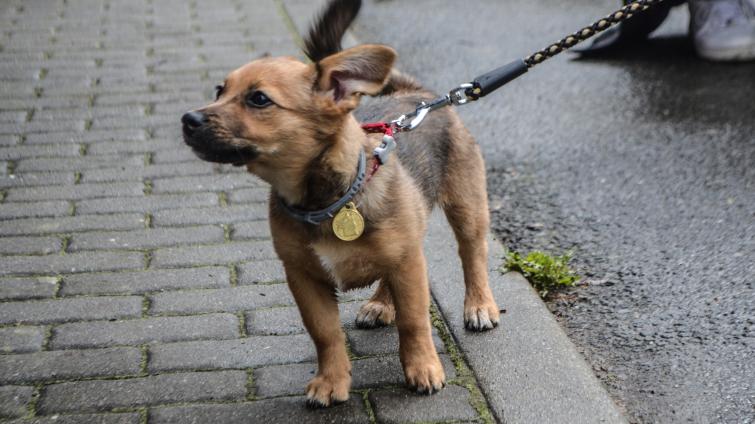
{"points": [[495, 79], [570, 41]]}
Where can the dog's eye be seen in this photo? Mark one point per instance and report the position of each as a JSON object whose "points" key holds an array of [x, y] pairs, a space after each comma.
{"points": [[258, 99], [219, 91]]}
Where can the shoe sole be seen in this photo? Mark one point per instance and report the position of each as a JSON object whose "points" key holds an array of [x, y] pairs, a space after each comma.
{"points": [[737, 54]]}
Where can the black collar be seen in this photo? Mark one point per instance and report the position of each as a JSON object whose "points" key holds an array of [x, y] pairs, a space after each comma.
{"points": [[318, 216]]}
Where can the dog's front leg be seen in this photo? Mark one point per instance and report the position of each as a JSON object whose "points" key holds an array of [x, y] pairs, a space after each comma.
{"points": [[411, 295], [319, 311]]}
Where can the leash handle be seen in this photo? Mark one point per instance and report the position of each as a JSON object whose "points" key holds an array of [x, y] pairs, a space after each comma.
{"points": [[493, 80], [583, 34]]}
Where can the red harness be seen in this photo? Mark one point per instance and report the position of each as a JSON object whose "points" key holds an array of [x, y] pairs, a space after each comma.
{"points": [[388, 130]]}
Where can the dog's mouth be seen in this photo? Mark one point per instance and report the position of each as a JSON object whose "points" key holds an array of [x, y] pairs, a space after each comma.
{"points": [[211, 149]]}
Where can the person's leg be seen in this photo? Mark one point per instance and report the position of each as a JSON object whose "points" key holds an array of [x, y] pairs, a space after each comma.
{"points": [[723, 30]]}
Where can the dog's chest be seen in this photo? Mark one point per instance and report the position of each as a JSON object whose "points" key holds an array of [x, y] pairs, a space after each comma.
{"points": [[348, 265]]}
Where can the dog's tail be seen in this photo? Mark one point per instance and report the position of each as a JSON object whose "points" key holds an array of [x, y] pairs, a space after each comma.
{"points": [[324, 38]]}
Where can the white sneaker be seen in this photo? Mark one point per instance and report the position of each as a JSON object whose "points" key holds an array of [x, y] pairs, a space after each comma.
{"points": [[723, 30]]}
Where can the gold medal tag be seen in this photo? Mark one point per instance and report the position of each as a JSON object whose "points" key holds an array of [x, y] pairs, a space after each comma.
{"points": [[348, 223]]}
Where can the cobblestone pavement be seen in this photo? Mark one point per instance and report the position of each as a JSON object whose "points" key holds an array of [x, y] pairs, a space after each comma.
{"points": [[137, 283]]}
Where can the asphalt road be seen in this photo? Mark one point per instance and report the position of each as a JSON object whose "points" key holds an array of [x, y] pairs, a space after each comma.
{"points": [[642, 163]]}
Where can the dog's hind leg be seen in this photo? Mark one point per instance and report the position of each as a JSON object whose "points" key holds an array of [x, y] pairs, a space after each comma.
{"points": [[378, 311], [464, 199]]}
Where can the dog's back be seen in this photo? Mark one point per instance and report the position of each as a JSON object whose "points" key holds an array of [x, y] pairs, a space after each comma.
{"points": [[424, 152]]}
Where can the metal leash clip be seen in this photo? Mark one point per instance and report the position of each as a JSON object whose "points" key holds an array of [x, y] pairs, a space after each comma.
{"points": [[458, 96], [384, 149]]}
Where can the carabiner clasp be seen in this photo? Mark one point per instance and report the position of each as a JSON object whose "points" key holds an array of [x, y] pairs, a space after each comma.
{"points": [[457, 96], [460, 95]]}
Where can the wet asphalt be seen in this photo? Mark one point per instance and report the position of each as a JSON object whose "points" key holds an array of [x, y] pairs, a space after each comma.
{"points": [[641, 163]]}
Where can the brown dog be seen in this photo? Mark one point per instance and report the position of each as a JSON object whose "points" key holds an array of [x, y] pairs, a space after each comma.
{"points": [[291, 124]]}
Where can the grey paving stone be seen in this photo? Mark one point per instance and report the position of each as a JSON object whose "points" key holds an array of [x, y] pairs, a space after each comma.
{"points": [[172, 388], [283, 380], [127, 112], [47, 102], [146, 238], [29, 245], [283, 410], [9, 139], [218, 182], [220, 215], [67, 224], [137, 282], [126, 134], [30, 179], [142, 331], [381, 341], [291, 379], [266, 271], [146, 97], [274, 322], [239, 353], [74, 309], [21, 339], [109, 418], [147, 121], [238, 251], [169, 156], [125, 173], [24, 288], [150, 203], [14, 400], [72, 262], [38, 150], [78, 191], [250, 195], [287, 320], [13, 115], [34, 127], [403, 406], [387, 370], [255, 230], [220, 300], [135, 146], [78, 163], [34, 209], [56, 365], [363, 293]]}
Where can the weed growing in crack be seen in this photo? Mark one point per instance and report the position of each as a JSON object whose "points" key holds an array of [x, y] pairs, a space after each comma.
{"points": [[543, 271]]}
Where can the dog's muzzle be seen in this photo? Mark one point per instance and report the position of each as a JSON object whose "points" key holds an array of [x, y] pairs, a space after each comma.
{"points": [[200, 136]]}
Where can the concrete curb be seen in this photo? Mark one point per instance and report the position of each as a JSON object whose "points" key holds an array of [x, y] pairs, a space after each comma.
{"points": [[527, 368]]}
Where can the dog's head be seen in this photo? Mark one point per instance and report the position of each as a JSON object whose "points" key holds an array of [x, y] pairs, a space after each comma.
{"points": [[275, 110]]}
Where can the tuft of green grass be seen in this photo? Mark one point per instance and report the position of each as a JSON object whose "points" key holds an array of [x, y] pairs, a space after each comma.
{"points": [[543, 271]]}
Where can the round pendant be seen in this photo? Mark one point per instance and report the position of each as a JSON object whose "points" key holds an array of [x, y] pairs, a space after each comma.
{"points": [[348, 224]]}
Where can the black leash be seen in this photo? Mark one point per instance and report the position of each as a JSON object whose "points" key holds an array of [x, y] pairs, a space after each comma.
{"points": [[495, 79], [348, 223]]}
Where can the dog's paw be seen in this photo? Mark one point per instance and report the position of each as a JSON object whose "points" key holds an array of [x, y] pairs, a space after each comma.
{"points": [[426, 378], [481, 317], [324, 391], [375, 314]]}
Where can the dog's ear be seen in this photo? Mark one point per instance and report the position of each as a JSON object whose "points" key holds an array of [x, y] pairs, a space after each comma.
{"points": [[359, 70]]}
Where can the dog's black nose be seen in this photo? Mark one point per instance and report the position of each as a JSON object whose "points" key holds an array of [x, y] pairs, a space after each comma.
{"points": [[193, 120]]}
